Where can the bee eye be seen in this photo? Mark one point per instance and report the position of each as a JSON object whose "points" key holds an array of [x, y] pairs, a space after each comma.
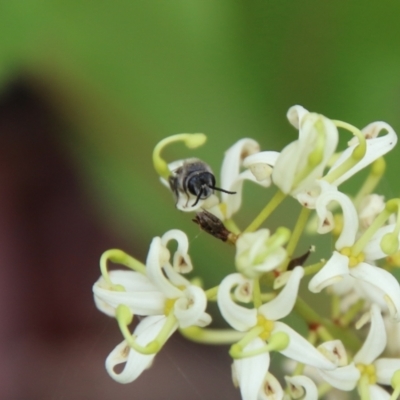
{"points": [[194, 185]]}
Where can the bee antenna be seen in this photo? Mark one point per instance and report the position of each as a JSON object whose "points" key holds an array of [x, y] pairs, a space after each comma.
{"points": [[221, 190], [198, 197]]}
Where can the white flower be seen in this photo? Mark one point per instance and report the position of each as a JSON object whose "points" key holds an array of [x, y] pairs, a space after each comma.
{"points": [[301, 386], [165, 297], [232, 176], [367, 370], [303, 161], [258, 252], [342, 263], [266, 316], [249, 373]]}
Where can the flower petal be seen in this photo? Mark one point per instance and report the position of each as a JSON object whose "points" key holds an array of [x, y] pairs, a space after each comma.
{"points": [[231, 178], [282, 305], [301, 350], [383, 280], [189, 308], [132, 281], [271, 389], [240, 318], [233, 160], [296, 114], [260, 164], [141, 296], [154, 263], [375, 342], [350, 217], [136, 363], [377, 393], [181, 260], [343, 378], [141, 303], [299, 384], [385, 368], [251, 371], [335, 351], [376, 147], [333, 271]]}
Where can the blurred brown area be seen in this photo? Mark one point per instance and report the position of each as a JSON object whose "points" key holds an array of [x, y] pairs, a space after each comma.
{"points": [[53, 341]]}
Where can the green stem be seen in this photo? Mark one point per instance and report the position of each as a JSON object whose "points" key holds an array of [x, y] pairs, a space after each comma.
{"points": [[314, 268], [350, 340], [119, 257], [357, 154], [231, 226], [296, 235], [351, 313], [266, 211], [377, 170], [212, 292], [211, 336]]}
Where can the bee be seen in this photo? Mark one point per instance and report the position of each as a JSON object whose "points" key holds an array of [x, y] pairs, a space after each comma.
{"points": [[195, 178]]}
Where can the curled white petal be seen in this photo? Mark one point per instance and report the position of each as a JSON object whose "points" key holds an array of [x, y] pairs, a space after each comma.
{"points": [[141, 303], [350, 217], [282, 305], [301, 350], [335, 351], [181, 260], [332, 272], [301, 385], [243, 292], [154, 264], [189, 308], [384, 281], [135, 363], [141, 296], [375, 341], [343, 378], [233, 160], [175, 277], [385, 368], [238, 317], [296, 114], [260, 164], [250, 372], [376, 147], [271, 389]]}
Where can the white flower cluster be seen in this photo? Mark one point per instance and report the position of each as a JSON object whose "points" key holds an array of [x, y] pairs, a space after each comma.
{"points": [[336, 355]]}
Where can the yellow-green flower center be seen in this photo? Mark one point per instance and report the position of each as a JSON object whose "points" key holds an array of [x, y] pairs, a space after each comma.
{"points": [[353, 260], [267, 326], [368, 371], [169, 306]]}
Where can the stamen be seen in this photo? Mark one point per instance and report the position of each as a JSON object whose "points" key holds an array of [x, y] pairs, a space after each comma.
{"points": [[191, 140]]}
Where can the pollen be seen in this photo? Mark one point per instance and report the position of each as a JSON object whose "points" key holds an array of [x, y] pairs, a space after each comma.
{"points": [[353, 260], [267, 326], [369, 371]]}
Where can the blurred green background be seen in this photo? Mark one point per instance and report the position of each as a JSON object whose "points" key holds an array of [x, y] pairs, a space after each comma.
{"points": [[122, 75]]}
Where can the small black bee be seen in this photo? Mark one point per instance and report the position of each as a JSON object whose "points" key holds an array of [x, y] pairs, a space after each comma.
{"points": [[195, 178]]}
